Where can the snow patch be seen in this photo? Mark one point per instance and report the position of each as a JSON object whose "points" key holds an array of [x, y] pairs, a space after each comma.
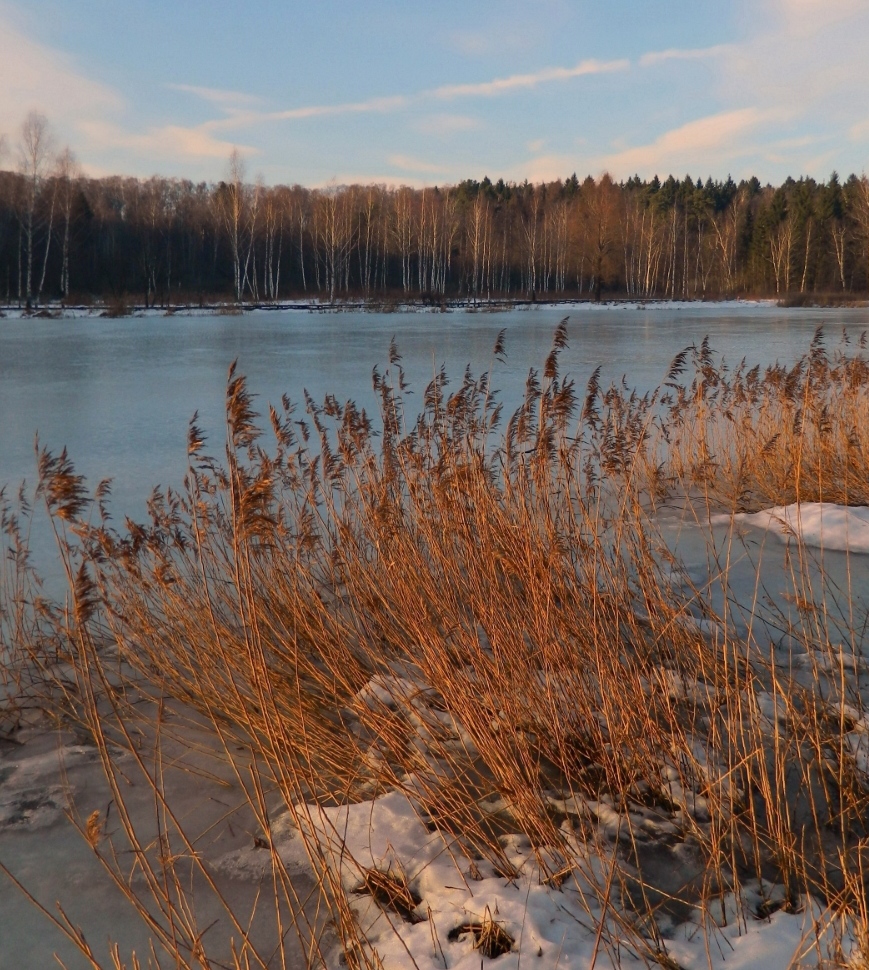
{"points": [[552, 922], [822, 525]]}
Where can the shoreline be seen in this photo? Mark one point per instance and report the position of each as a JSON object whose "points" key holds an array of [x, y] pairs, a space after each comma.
{"points": [[55, 311]]}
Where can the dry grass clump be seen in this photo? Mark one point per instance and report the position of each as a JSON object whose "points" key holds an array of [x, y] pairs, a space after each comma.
{"points": [[490, 937], [798, 433], [391, 891], [488, 621], [117, 306]]}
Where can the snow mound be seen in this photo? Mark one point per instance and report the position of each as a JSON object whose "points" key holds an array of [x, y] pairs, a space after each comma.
{"points": [[550, 923], [823, 525]]}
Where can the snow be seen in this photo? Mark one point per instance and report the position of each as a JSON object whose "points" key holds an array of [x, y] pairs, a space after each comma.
{"points": [[821, 525], [553, 923], [553, 926]]}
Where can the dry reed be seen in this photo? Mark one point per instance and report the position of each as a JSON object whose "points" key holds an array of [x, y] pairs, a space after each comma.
{"points": [[514, 593]]}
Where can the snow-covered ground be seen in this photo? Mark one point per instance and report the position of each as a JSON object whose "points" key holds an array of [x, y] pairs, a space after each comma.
{"points": [[544, 922], [551, 924]]}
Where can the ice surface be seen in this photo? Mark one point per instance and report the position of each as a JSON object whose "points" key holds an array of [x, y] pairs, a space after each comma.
{"points": [[49, 772]]}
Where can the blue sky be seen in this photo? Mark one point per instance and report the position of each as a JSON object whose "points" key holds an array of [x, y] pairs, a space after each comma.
{"points": [[429, 93]]}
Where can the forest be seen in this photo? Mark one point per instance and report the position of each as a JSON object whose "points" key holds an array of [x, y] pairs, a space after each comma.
{"points": [[168, 241]]}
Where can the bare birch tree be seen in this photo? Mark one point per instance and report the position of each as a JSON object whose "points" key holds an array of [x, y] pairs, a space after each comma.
{"points": [[402, 229], [529, 228], [478, 231], [726, 228], [233, 212], [68, 174], [34, 157], [780, 242], [335, 234]]}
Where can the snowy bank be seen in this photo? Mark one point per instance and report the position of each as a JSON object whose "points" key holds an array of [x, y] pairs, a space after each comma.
{"points": [[544, 921], [820, 525]]}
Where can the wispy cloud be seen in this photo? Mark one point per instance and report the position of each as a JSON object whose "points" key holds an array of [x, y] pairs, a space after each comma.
{"points": [[158, 143], [496, 39], [654, 58], [518, 81], [379, 105], [520, 26], [235, 119], [229, 100], [705, 142], [246, 119]]}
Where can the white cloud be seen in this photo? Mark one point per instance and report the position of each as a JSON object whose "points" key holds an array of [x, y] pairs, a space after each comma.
{"points": [[160, 143], [519, 81], [654, 58], [715, 140]]}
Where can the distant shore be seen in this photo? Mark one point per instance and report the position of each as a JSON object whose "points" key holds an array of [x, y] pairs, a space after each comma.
{"points": [[114, 310]]}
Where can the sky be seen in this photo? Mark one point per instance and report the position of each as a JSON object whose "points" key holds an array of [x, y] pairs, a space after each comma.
{"points": [[401, 92]]}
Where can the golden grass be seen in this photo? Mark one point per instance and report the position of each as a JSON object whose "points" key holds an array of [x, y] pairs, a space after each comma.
{"points": [[514, 590]]}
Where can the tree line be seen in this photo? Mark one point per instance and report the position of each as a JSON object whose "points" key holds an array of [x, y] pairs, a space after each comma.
{"points": [[162, 241]]}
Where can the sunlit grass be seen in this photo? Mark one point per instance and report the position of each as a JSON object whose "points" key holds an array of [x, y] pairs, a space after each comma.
{"points": [[483, 614]]}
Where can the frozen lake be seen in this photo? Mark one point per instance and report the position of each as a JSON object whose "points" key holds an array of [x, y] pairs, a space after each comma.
{"points": [[118, 394]]}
